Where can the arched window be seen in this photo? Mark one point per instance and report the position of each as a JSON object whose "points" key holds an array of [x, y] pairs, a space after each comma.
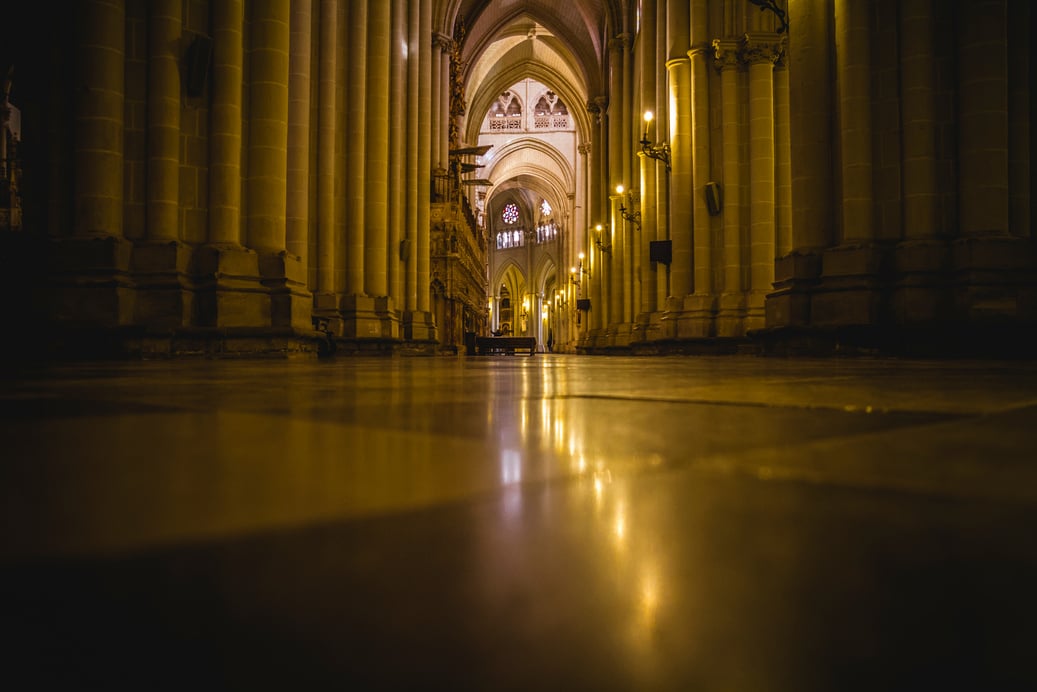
{"points": [[506, 113], [550, 113]]}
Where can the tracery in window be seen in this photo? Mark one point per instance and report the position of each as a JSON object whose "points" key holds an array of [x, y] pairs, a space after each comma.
{"points": [[506, 113], [550, 112]]}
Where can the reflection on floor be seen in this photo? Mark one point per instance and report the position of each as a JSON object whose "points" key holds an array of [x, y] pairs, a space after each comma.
{"points": [[556, 522]]}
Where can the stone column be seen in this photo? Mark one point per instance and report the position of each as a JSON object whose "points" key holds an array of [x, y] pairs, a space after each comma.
{"points": [[810, 113], [409, 248], [761, 51], [326, 137], [647, 284], [437, 97], [163, 191], [397, 154], [268, 126], [918, 119], [96, 290], [292, 302], [100, 94], [783, 154], [983, 119], [732, 301], [922, 257], [617, 165], [424, 105], [228, 18], [993, 279], [701, 306], [678, 69], [268, 154], [376, 192], [662, 174], [441, 112], [226, 272], [853, 63], [160, 263], [851, 290], [356, 141], [299, 131]]}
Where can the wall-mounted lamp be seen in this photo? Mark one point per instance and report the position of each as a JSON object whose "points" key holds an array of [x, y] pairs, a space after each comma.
{"points": [[632, 216], [576, 273], [603, 246], [660, 151]]}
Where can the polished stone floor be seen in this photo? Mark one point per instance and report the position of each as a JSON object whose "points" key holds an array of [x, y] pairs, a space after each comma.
{"points": [[512, 523]]}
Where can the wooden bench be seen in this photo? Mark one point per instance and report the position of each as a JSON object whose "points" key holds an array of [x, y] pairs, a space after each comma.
{"points": [[505, 345]]}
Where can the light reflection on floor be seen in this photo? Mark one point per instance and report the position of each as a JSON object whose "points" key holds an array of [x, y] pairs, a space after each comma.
{"points": [[522, 523]]}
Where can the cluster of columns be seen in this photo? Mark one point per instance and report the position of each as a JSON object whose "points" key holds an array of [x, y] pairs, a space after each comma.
{"points": [[721, 115], [332, 223], [877, 174]]}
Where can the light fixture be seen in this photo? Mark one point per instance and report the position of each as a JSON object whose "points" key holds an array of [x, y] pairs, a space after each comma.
{"points": [[603, 246], [632, 216], [660, 151]]}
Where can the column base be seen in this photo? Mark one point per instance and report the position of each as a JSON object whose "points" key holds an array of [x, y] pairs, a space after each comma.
{"points": [[697, 318], [852, 286], [230, 290], [165, 297], [419, 326], [91, 282], [731, 313]]}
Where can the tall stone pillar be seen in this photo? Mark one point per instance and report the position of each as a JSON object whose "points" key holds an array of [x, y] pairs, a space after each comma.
{"points": [[160, 263], [810, 107], [374, 315], [292, 302], [409, 248], [268, 126], [397, 154], [299, 103], [617, 165], [428, 326], [731, 312], [356, 142], [994, 280], [783, 154], [678, 68], [853, 63], [662, 173], [163, 191], [700, 308], [100, 96], [327, 133], [851, 290], [228, 18], [441, 109], [645, 279], [225, 272], [268, 155], [93, 286], [761, 51], [922, 257]]}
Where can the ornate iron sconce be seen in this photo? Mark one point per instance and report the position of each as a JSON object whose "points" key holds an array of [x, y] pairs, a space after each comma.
{"points": [[603, 246], [660, 151]]}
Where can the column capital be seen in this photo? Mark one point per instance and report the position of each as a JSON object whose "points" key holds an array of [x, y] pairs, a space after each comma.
{"points": [[442, 41], [726, 53], [620, 42], [584, 148], [763, 46]]}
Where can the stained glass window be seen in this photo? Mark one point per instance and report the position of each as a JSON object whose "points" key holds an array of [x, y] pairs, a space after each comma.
{"points": [[510, 213], [545, 208]]}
